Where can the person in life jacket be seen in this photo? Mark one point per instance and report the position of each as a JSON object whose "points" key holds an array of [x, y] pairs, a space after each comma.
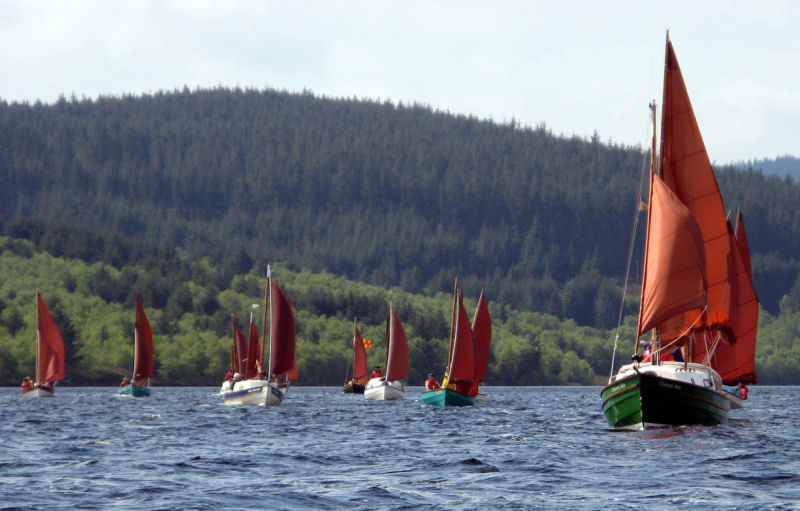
{"points": [[742, 390], [431, 383], [376, 373], [27, 383], [125, 382]]}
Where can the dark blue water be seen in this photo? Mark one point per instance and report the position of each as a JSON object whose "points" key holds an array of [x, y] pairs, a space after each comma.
{"points": [[525, 448]]}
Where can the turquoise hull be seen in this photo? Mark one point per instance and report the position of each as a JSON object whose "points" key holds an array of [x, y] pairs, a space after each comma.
{"points": [[446, 397], [134, 390]]}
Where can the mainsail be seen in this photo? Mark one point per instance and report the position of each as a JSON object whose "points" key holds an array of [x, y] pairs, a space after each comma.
{"points": [[397, 356], [686, 170], [482, 337], [282, 333], [462, 361], [49, 346], [143, 352]]}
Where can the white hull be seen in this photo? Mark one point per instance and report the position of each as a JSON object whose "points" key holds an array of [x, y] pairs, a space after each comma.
{"points": [[380, 390], [253, 392], [39, 393]]}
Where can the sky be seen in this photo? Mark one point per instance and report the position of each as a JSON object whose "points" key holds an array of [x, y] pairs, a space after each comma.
{"points": [[578, 67]]}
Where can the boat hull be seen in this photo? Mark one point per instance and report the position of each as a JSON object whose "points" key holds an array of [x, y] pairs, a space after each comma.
{"points": [[651, 398], [38, 392], [134, 391], [380, 390], [353, 388], [253, 392], [446, 397]]}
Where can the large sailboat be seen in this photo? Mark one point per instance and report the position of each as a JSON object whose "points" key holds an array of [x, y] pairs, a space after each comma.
{"points": [[390, 386], [50, 358], [143, 356], [356, 383], [697, 301], [255, 387]]}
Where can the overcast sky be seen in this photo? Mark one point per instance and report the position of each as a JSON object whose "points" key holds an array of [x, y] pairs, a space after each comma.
{"points": [[578, 66]]}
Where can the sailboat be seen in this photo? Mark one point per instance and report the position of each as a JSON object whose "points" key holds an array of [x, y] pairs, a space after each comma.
{"points": [[390, 386], [143, 356], [459, 386], [255, 388], [49, 354], [356, 383], [697, 300]]}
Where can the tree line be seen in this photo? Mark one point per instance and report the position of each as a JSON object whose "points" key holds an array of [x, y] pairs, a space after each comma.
{"points": [[382, 193]]}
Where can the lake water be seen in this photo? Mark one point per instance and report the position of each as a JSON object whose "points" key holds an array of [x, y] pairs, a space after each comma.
{"points": [[525, 448]]}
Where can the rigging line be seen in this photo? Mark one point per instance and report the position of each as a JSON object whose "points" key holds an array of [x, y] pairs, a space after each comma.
{"points": [[645, 169]]}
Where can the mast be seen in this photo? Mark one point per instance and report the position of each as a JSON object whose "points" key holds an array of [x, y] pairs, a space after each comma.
{"points": [[452, 329], [267, 310], [38, 338], [653, 171]]}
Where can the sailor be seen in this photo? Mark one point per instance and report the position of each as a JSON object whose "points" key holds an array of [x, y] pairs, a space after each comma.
{"points": [[431, 383], [125, 382], [376, 373], [742, 390]]}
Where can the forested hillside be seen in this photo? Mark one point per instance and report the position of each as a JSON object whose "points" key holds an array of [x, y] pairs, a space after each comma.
{"points": [[93, 308], [184, 197], [387, 194]]}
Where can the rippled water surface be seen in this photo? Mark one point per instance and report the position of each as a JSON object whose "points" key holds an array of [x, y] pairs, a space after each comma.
{"points": [[525, 448]]}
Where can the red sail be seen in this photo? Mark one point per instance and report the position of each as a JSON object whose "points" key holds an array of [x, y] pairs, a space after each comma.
{"points": [[462, 364], [143, 352], [397, 360], [482, 336], [686, 169], [735, 360], [674, 273], [281, 343], [253, 353], [50, 346], [240, 343], [359, 357]]}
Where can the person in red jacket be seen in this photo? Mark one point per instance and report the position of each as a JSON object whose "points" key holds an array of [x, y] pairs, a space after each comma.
{"points": [[742, 391], [431, 383], [376, 373]]}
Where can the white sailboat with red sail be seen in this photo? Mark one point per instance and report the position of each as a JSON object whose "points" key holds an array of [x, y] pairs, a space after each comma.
{"points": [[359, 379], [50, 356], [143, 357], [253, 386], [391, 386], [698, 302]]}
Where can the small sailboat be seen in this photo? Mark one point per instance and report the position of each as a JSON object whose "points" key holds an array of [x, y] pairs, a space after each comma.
{"points": [[390, 386], [50, 357], [459, 386], [255, 388], [697, 299], [356, 384], [143, 357]]}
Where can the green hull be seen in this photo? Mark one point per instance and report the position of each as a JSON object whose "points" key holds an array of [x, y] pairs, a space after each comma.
{"points": [[446, 397], [643, 401]]}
